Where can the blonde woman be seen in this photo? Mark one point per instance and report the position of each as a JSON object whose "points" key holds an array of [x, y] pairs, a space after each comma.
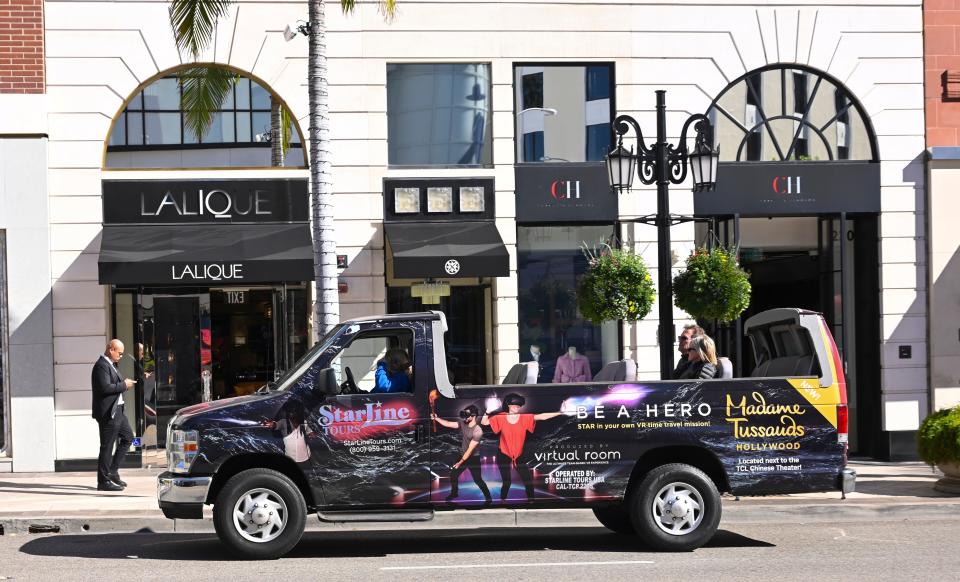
{"points": [[702, 354]]}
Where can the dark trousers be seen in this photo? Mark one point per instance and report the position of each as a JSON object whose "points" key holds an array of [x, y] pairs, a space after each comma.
{"points": [[473, 464], [506, 477], [113, 431]]}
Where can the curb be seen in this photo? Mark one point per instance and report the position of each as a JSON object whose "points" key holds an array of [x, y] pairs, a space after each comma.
{"points": [[491, 518]]}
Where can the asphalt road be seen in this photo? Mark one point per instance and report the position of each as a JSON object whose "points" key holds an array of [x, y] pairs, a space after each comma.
{"points": [[903, 550]]}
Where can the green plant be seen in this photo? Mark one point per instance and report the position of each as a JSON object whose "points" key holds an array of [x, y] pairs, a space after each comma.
{"points": [[713, 285], [938, 439], [616, 286]]}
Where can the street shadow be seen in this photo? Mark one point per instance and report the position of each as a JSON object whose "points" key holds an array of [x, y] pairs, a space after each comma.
{"points": [[360, 544], [10, 485], [903, 488]]}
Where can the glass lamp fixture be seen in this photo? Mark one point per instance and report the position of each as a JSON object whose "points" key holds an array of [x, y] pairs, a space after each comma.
{"points": [[703, 168], [620, 167]]}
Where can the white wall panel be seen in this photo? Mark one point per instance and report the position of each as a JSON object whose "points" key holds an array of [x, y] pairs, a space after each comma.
{"points": [[73, 266], [85, 321], [76, 209], [75, 237]]}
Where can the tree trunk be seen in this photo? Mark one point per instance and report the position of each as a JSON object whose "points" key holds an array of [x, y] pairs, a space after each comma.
{"points": [[276, 135], [327, 310]]}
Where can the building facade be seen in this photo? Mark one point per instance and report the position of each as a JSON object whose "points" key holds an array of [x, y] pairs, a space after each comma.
{"points": [[942, 101], [467, 150]]}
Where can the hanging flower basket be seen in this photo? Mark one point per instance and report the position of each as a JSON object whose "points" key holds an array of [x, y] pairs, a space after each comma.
{"points": [[713, 286], [617, 286]]}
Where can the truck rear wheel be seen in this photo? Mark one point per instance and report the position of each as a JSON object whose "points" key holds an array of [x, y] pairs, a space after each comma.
{"points": [[615, 518], [259, 514], [676, 508]]}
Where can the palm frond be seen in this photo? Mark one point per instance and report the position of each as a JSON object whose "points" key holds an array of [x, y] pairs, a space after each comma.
{"points": [[204, 90], [286, 130], [193, 22], [388, 8]]}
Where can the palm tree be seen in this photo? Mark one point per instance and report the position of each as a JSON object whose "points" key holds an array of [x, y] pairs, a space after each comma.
{"points": [[194, 22]]}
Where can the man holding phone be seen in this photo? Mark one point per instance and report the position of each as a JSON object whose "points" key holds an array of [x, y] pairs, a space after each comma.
{"points": [[108, 388]]}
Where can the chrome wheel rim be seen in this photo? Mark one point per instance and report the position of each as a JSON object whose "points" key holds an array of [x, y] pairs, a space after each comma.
{"points": [[260, 515], [678, 508]]}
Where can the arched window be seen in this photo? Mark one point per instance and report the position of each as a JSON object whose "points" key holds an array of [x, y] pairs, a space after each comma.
{"points": [[153, 129], [791, 112]]}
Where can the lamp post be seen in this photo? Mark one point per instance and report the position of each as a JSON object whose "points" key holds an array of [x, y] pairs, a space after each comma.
{"points": [[664, 164]]}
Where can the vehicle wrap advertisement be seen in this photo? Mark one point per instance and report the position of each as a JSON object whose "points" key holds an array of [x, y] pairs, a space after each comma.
{"points": [[523, 445]]}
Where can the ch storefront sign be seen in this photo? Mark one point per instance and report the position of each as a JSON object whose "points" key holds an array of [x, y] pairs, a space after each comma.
{"points": [[204, 201], [564, 193], [797, 188]]}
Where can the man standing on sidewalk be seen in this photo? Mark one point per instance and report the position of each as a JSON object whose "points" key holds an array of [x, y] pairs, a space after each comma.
{"points": [[108, 388]]}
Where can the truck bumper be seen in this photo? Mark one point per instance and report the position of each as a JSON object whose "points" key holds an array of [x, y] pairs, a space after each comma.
{"points": [[848, 480], [182, 497]]}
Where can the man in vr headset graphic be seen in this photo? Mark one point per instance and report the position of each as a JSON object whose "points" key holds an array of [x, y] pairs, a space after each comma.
{"points": [[512, 426], [471, 435]]}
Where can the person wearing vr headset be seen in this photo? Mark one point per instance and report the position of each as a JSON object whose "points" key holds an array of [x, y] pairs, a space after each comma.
{"points": [[471, 433], [512, 426]]}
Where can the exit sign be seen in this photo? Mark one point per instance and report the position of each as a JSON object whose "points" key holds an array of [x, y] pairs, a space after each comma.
{"points": [[236, 297]]}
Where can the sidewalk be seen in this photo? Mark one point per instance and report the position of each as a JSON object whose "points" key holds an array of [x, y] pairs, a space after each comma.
{"points": [[71, 502]]}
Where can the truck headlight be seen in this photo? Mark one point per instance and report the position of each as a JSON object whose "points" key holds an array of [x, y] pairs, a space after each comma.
{"points": [[182, 446]]}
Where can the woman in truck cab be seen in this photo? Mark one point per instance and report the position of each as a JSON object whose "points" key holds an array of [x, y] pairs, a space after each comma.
{"points": [[702, 354], [393, 372]]}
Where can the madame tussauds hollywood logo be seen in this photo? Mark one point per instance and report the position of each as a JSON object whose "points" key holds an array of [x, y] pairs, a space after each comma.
{"points": [[374, 418]]}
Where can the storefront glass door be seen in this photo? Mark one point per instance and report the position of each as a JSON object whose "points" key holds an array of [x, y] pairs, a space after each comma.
{"points": [[177, 358]]}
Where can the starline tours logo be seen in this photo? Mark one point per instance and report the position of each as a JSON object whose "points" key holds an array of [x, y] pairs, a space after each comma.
{"points": [[373, 419]]}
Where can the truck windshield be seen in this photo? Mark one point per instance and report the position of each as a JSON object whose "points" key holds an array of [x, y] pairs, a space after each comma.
{"points": [[295, 371]]}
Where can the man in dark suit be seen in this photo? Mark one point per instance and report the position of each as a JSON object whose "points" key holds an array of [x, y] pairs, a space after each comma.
{"points": [[108, 388]]}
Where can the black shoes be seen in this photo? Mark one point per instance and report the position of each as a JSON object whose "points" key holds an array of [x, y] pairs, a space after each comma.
{"points": [[109, 486], [116, 479]]}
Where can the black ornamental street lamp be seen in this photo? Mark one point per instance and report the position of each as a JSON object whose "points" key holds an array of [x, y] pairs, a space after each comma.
{"points": [[663, 164]]}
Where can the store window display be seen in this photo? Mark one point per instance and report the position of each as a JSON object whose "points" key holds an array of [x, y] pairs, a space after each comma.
{"points": [[550, 261]]}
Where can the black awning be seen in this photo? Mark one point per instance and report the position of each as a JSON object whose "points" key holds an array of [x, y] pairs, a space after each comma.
{"points": [[445, 250], [205, 254]]}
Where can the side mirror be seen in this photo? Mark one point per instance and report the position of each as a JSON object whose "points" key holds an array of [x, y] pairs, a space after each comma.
{"points": [[325, 383]]}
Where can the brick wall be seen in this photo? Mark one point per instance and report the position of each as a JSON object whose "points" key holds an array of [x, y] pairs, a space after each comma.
{"points": [[21, 46], [941, 54]]}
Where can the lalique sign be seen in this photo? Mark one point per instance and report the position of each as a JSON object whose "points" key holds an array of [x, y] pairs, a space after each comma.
{"points": [[210, 201]]}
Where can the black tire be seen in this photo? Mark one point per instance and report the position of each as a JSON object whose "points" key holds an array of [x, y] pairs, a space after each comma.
{"points": [[279, 488], [615, 518], [693, 527]]}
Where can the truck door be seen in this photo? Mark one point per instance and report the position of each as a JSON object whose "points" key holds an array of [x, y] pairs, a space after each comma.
{"points": [[370, 444]]}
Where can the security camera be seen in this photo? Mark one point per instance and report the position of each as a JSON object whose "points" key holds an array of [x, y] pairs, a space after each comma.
{"points": [[295, 28]]}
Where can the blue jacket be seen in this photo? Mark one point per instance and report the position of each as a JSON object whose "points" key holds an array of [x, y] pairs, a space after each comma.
{"points": [[386, 382]]}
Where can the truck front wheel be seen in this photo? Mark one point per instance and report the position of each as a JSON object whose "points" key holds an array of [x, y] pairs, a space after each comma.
{"points": [[259, 514], [675, 508]]}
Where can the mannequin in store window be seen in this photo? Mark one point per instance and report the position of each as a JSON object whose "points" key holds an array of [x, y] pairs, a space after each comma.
{"points": [[535, 354], [572, 367]]}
